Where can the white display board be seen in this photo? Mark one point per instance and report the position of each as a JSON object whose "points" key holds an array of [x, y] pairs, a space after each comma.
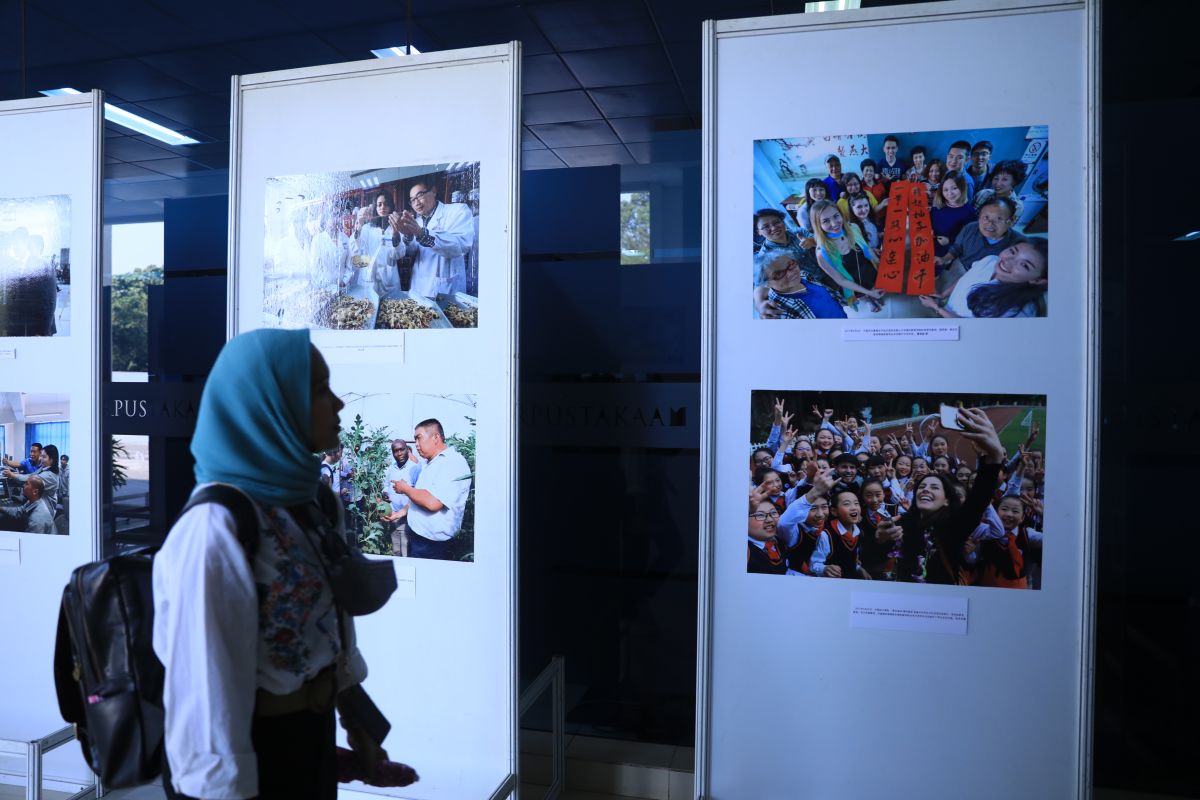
{"points": [[803, 690], [312, 151], [50, 190]]}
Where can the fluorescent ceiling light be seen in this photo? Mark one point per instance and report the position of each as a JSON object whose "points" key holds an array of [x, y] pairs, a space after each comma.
{"points": [[1188, 237], [126, 119], [831, 5], [389, 52]]}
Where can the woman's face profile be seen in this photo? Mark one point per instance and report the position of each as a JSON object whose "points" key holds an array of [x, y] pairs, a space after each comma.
{"points": [[324, 427]]}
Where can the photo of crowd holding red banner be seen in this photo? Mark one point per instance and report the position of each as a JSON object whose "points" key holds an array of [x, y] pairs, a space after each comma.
{"points": [[901, 487], [942, 224]]}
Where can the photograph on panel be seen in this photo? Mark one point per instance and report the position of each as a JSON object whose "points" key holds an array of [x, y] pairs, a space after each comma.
{"points": [[902, 225], [35, 265], [35, 436], [377, 249], [898, 486], [405, 472]]}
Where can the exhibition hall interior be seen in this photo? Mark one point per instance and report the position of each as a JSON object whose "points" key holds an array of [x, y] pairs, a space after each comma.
{"points": [[600, 367]]}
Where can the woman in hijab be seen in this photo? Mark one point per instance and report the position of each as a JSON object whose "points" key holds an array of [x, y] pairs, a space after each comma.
{"points": [[254, 647]]}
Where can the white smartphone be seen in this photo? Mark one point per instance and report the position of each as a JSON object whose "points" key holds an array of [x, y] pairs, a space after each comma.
{"points": [[950, 418]]}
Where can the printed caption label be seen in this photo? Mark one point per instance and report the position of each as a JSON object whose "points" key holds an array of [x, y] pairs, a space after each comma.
{"points": [[908, 333], [900, 612]]}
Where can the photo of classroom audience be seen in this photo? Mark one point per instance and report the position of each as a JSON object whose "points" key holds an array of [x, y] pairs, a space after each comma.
{"points": [[903, 487], [35, 476], [405, 474], [822, 211], [35, 265], [378, 249]]}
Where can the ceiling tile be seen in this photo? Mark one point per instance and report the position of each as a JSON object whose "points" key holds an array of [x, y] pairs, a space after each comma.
{"points": [[537, 109], [285, 52], [641, 152], [486, 26], [596, 156], [137, 148], [135, 25], [639, 101], [193, 111], [529, 140], [541, 159], [127, 78], [590, 25], [208, 69], [575, 134], [130, 173], [177, 167], [624, 66], [225, 20], [357, 41], [46, 28], [545, 73], [644, 129]]}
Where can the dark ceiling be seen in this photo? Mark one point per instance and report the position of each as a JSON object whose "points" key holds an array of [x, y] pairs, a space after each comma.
{"points": [[600, 78]]}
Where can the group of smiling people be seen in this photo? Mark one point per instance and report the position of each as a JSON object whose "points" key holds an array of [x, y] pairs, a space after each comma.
{"points": [[823, 263], [844, 503]]}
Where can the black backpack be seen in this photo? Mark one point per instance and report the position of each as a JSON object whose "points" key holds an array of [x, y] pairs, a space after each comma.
{"points": [[108, 679]]}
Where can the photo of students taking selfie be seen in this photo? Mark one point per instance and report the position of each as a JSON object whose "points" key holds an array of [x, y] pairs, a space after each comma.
{"points": [[975, 205], [901, 487]]}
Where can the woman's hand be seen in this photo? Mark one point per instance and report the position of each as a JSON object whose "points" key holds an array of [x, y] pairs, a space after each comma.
{"points": [[875, 294], [888, 532], [977, 428], [370, 755], [833, 571], [944, 241]]}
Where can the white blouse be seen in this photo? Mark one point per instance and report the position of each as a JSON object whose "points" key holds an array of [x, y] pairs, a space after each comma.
{"points": [[223, 630]]}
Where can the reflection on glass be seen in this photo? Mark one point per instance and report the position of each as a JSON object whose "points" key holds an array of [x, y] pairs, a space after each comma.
{"points": [[635, 227]]}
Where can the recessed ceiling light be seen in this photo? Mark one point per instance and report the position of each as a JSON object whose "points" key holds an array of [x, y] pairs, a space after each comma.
{"points": [[126, 119], [390, 52]]}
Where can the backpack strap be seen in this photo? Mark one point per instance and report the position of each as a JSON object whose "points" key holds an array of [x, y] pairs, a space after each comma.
{"points": [[239, 504]]}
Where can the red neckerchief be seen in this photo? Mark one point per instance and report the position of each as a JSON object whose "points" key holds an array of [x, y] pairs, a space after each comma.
{"points": [[771, 548], [1014, 551], [850, 539]]}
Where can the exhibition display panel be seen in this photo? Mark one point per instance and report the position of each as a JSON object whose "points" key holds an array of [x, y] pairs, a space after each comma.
{"points": [[375, 203], [909, 397], [50, 211]]}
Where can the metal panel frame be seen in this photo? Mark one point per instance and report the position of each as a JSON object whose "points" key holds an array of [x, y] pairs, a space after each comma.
{"points": [[95, 101], [874, 17], [510, 53]]}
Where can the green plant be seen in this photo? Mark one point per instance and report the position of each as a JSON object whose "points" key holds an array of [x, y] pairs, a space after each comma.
{"points": [[466, 448], [370, 452], [130, 319], [117, 452]]}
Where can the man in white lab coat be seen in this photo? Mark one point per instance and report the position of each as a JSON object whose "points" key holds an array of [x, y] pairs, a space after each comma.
{"points": [[436, 237]]}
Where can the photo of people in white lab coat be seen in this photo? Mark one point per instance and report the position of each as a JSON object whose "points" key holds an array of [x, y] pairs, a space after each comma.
{"points": [[379, 249]]}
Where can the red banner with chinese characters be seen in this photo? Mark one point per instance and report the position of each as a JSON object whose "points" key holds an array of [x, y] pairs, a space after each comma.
{"points": [[907, 220], [890, 275], [920, 231]]}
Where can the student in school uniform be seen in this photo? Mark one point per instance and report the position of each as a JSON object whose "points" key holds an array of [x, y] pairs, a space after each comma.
{"points": [[803, 524], [1004, 562], [764, 555], [837, 554]]}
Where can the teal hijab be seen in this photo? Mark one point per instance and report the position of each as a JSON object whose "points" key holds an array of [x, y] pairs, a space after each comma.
{"points": [[253, 427]]}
